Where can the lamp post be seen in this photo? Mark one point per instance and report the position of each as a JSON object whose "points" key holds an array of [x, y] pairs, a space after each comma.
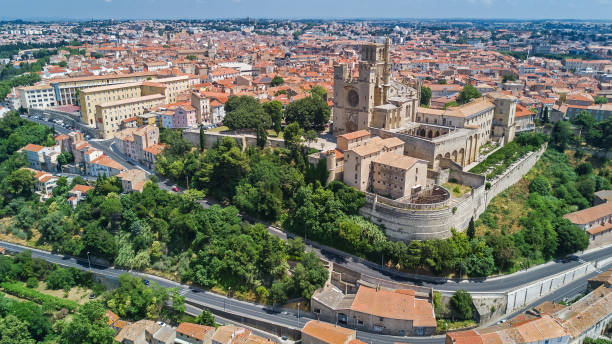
{"points": [[88, 261], [228, 296], [298, 315]]}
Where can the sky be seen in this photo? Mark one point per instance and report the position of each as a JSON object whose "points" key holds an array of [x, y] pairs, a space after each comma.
{"points": [[298, 9]]}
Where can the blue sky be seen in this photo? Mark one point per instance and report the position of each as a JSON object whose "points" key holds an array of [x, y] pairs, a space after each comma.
{"points": [[201, 9]]}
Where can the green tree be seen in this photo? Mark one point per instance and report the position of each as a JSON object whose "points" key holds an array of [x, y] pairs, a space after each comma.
{"points": [[308, 276], [19, 183], [508, 77], [462, 305], [135, 300], [14, 331], [425, 95], [319, 91], [245, 112], [467, 93], [570, 238], [471, 230], [276, 81], [309, 112], [262, 136], [278, 293], [561, 135], [89, 325], [60, 279], [31, 314], [293, 136], [274, 108], [540, 185], [601, 100], [205, 318], [191, 57]]}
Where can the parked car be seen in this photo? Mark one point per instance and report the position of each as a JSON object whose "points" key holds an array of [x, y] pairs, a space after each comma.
{"points": [[175, 189]]}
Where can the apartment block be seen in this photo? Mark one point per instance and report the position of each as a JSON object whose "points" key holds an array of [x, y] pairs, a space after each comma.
{"points": [[173, 87], [110, 115], [66, 89], [132, 142], [90, 97], [36, 97], [41, 158]]}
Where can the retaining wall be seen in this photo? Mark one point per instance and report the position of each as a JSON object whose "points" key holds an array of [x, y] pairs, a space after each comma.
{"points": [[527, 294], [424, 224], [242, 139], [260, 324]]}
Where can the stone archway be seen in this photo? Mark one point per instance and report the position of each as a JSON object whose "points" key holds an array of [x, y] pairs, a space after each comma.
{"points": [[437, 133], [454, 156], [430, 134], [422, 132], [461, 157], [447, 155]]}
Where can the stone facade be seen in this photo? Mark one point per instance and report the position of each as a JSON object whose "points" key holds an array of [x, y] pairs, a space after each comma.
{"points": [[371, 99], [406, 221]]}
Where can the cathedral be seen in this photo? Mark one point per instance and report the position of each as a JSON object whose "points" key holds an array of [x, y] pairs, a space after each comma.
{"points": [[449, 138], [371, 99]]}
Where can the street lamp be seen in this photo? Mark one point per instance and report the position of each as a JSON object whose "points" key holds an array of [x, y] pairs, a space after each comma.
{"points": [[298, 315], [88, 261], [228, 296]]}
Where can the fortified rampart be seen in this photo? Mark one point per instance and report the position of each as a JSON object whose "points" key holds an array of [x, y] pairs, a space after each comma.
{"points": [[406, 221]]}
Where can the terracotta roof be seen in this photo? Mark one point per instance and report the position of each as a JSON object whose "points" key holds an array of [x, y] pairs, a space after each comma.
{"points": [[30, 147], [600, 229], [591, 214], [112, 317], [394, 305], [155, 149], [355, 134], [465, 337], [396, 160], [587, 312], [107, 161], [81, 188], [327, 333]]}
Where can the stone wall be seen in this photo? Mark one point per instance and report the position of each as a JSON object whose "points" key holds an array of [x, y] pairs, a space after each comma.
{"points": [[529, 293], [242, 139], [402, 223]]}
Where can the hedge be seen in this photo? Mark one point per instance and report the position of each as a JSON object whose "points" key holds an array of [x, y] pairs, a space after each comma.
{"points": [[19, 290]]}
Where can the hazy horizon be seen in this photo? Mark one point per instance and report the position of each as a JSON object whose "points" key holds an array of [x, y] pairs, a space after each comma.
{"points": [[313, 9]]}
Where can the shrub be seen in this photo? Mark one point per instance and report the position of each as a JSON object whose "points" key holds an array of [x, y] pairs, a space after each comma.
{"points": [[32, 283], [60, 279], [19, 290], [462, 306]]}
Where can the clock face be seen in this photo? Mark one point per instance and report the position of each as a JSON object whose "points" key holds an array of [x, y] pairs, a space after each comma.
{"points": [[353, 98]]}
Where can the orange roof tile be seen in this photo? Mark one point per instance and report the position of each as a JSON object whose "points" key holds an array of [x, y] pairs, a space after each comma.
{"points": [[30, 147], [591, 214], [194, 330], [355, 134], [327, 332], [393, 305]]}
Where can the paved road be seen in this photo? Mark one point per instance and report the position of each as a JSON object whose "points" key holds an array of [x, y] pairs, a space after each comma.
{"points": [[251, 310], [209, 299]]}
